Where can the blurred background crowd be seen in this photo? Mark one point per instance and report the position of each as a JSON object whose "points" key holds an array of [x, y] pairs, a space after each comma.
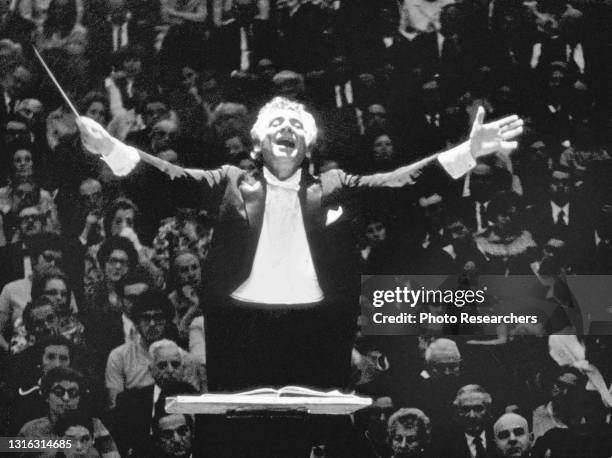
{"points": [[103, 279]]}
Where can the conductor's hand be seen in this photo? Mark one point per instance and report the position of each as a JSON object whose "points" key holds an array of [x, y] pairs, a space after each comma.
{"points": [[95, 138], [497, 136]]}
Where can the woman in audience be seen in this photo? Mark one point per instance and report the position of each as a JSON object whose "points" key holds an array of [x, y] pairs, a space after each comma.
{"points": [[26, 374], [187, 278], [508, 247], [51, 283], [95, 106], [23, 189], [409, 434], [61, 28], [64, 391]]}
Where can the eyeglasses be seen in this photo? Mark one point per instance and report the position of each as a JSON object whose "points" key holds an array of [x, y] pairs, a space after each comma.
{"points": [[122, 262], [164, 134], [164, 364], [51, 257], [55, 292], [168, 434], [50, 318], [375, 228], [25, 218], [157, 317], [505, 434], [60, 392]]}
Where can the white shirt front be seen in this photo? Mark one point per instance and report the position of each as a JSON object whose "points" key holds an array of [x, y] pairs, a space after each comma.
{"points": [[472, 446], [120, 36], [283, 271], [556, 209]]}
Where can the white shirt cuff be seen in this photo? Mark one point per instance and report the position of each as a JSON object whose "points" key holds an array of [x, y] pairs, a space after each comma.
{"points": [[457, 161], [122, 159]]}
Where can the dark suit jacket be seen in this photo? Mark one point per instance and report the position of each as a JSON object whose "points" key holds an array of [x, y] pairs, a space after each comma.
{"points": [[133, 416], [11, 263], [240, 201], [578, 234], [455, 444], [101, 44]]}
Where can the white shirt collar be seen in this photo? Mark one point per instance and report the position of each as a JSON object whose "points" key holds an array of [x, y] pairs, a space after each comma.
{"points": [[293, 182], [556, 209], [470, 441]]}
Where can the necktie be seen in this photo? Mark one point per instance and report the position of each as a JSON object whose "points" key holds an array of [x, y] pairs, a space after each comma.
{"points": [[480, 450], [561, 219]]}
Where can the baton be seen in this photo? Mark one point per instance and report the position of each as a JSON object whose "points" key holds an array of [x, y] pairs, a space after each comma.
{"points": [[70, 105]]}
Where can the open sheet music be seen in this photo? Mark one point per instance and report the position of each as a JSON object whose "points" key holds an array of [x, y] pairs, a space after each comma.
{"points": [[289, 398]]}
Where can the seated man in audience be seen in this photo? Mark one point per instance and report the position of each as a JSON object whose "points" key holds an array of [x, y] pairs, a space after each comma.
{"points": [[128, 364], [471, 435], [78, 428], [173, 435], [512, 436], [135, 407], [433, 390], [46, 250]]}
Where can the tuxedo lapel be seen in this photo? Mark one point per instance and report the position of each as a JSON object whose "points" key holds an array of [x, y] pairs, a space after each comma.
{"points": [[254, 197], [310, 200]]}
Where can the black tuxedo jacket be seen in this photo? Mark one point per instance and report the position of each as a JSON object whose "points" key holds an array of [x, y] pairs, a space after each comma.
{"points": [[240, 199]]}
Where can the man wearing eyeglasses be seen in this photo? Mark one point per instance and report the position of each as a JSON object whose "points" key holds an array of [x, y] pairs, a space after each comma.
{"points": [[512, 436], [128, 364]]}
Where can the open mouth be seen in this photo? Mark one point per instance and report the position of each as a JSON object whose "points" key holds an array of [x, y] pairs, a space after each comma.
{"points": [[286, 142]]}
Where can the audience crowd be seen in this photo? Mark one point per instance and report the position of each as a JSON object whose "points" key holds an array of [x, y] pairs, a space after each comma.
{"points": [[104, 299]]}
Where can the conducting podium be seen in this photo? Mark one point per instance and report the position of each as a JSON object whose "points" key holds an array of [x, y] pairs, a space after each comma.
{"points": [[269, 423]]}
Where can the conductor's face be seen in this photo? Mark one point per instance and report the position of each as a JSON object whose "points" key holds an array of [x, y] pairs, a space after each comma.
{"points": [[284, 144]]}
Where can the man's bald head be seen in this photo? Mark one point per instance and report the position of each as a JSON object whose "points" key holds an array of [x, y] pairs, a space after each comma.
{"points": [[512, 438]]}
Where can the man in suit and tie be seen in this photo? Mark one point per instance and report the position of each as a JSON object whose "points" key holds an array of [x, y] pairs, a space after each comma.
{"points": [[136, 407], [282, 277], [472, 438], [563, 215], [117, 32]]}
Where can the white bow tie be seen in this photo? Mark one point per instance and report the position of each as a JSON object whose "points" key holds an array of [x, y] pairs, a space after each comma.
{"points": [[292, 183]]}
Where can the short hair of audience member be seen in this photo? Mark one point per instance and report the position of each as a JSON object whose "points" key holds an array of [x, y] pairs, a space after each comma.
{"points": [[288, 83], [73, 419], [42, 276], [152, 300], [443, 358], [60, 374], [410, 418], [178, 278], [40, 243], [54, 341], [153, 109], [118, 243], [110, 212], [164, 376], [512, 437], [28, 321], [503, 203], [473, 408]]}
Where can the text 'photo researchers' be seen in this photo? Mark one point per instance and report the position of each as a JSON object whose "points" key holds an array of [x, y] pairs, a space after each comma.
{"points": [[306, 228]]}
